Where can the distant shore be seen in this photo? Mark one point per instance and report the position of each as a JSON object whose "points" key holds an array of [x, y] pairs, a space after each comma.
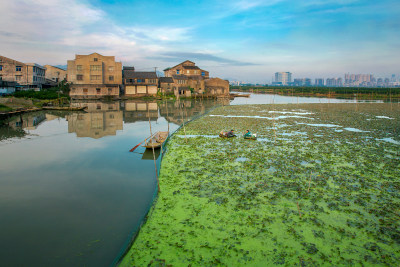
{"points": [[361, 93]]}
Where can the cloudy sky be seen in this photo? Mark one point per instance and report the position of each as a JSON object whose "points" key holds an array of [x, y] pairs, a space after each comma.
{"points": [[235, 39]]}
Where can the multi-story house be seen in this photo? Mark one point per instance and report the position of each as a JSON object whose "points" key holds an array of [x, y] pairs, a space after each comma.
{"points": [[55, 74], [94, 76], [187, 68], [28, 76], [188, 78], [139, 84], [166, 84]]}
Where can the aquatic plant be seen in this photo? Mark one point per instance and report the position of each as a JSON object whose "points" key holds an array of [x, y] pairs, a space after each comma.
{"points": [[315, 195]]}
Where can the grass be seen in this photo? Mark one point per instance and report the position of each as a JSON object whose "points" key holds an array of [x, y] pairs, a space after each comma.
{"points": [[326, 190], [4, 108]]}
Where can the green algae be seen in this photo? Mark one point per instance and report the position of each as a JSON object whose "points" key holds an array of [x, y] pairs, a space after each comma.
{"points": [[321, 197]]}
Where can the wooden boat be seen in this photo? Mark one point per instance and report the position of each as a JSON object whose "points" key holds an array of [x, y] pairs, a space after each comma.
{"points": [[223, 135], [156, 140], [252, 137]]}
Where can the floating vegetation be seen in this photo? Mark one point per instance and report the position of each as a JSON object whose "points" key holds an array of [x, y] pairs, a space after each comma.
{"points": [[321, 197]]}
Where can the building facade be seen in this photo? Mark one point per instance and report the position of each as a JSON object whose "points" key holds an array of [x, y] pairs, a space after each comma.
{"points": [[55, 74], [94, 76], [188, 79], [283, 78], [319, 82], [138, 84], [187, 68], [28, 76]]}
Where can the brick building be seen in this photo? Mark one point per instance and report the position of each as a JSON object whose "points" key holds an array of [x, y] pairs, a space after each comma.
{"points": [[94, 76], [139, 84], [26, 75], [55, 74]]}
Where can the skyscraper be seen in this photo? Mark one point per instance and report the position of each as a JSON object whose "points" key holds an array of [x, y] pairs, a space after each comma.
{"points": [[283, 78]]}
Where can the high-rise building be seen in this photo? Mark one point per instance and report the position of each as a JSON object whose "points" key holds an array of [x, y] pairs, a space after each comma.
{"points": [[302, 82], [319, 82], [283, 78]]}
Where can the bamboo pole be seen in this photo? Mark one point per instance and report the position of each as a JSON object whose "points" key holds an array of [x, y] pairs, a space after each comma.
{"points": [[154, 155], [298, 208]]}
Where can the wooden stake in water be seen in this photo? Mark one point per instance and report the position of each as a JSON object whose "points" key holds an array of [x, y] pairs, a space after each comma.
{"points": [[154, 156], [184, 129], [298, 208]]}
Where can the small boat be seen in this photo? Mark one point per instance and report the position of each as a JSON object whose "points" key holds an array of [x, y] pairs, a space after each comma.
{"points": [[156, 140], [252, 137], [224, 135]]}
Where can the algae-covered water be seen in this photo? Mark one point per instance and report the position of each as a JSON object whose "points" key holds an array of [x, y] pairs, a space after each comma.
{"points": [[320, 186]]}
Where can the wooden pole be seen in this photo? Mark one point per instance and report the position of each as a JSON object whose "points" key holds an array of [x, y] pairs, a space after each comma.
{"points": [[154, 155]]}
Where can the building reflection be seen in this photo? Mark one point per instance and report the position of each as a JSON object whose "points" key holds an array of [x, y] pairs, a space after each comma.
{"points": [[101, 119], [137, 110]]}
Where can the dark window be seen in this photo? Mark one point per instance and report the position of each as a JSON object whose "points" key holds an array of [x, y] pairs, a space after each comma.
{"points": [[18, 68], [177, 71], [111, 78], [85, 90], [95, 59], [98, 90], [98, 106], [109, 90], [79, 77], [1, 67]]}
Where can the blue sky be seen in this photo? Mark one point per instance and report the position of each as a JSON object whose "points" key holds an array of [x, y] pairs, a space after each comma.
{"points": [[242, 40]]}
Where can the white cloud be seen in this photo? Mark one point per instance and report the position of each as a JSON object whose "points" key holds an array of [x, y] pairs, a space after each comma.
{"points": [[62, 28]]}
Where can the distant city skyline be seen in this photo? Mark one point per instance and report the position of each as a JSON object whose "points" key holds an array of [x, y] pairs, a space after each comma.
{"points": [[236, 39]]}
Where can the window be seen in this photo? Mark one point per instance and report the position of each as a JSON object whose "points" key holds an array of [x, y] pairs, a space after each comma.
{"points": [[95, 59], [79, 77], [78, 67], [1, 77], [139, 80], [18, 68], [85, 90], [109, 90], [111, 78], [111, 68], [111, 116], [203, 73], [95, 67], [1, 67], [98, 91], [98, 105], [18, 78], [177, 71], [95, 77], [187, 72]]}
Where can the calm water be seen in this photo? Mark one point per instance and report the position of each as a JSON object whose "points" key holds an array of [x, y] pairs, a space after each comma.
{"points": [[70, 192]]}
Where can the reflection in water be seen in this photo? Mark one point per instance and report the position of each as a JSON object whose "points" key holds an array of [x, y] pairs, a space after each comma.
{"points": [[148, 154], [70, 201]]}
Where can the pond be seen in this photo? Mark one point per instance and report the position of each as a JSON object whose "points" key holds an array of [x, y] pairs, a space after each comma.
{"points": [[70, 192]]}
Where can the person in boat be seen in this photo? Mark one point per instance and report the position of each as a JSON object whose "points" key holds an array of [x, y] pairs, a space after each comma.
{"points": [[230, 133], [247, 134]]}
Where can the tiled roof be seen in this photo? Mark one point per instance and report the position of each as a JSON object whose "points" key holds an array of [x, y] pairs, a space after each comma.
{"points": [[191, 67], [166, 80], [129, 74], [180, 77]]}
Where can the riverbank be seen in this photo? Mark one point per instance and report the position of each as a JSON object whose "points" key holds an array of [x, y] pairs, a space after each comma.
{"points": [[319, 186], [363, 93]]}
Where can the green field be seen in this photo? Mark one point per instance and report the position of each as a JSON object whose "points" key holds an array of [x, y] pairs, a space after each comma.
{"points": [[320, 186]]}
